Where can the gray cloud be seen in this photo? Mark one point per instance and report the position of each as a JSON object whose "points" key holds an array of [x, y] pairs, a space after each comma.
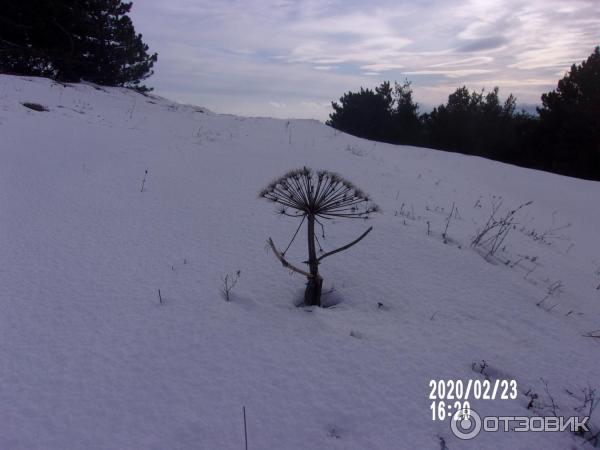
{"points": [[489, 43]]}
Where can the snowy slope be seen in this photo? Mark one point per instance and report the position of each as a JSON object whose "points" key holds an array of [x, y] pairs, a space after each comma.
{"points": [[89, 358]]}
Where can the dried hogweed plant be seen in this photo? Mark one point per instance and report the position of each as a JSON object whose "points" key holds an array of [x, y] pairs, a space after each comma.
{"points": [[314, 197]]}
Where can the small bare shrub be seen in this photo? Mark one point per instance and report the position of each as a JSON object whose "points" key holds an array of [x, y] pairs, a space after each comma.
{"points": [[144, 180], [229, 282], [546, 404], [448, 219], [493, 234]]}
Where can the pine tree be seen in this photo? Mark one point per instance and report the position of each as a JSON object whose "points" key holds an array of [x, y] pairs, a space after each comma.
{"points": [[476, 123], [570, 120], [74, 40], [406, 121], [365, 113]]}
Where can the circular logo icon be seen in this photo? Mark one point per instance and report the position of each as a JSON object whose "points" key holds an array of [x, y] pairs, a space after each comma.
{"points": [[465, 424]]}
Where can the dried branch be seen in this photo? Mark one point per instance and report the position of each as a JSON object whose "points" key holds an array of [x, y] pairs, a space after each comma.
{"points": [[284, 262], [358, 239]]}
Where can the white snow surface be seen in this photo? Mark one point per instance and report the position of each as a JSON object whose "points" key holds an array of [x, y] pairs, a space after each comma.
{"points": [[90, 359]]}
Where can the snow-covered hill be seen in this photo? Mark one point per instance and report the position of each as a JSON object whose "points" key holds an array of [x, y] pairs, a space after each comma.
{"points": [[90, 359]]}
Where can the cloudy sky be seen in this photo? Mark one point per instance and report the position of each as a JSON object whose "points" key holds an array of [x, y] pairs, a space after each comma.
{"points": [[290, 58]]}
